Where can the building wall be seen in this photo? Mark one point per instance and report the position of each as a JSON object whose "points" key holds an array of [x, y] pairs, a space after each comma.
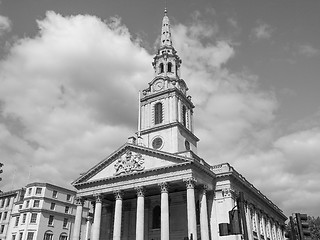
{"points": [[31, 216]]}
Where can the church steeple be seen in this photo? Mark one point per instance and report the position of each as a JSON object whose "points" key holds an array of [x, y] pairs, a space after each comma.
{"points": [[165, 31], [166, 109]]}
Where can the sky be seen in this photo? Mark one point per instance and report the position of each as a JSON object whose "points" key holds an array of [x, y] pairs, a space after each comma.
{"points": [[70, 72]]}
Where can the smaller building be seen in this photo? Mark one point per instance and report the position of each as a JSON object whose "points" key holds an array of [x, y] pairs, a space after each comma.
{"points": [[7, 201], [43, 212]]}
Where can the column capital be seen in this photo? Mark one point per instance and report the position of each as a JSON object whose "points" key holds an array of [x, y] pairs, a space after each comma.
{"points": [[98, 197], [164, 187], [118, 194], [190, 182], [79, 200], [140, 191]]}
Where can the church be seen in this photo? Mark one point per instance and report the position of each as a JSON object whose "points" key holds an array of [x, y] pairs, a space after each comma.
{"points": [[156, 187]]}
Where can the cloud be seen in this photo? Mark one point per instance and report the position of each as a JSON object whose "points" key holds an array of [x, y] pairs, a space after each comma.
{"points": [[262, 31], [67, 96], [308, 51], [5, 25]]}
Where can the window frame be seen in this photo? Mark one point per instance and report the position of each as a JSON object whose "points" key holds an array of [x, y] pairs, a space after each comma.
{"points": [[38, 190], [34, 217], [158, 113], [51, 220]]}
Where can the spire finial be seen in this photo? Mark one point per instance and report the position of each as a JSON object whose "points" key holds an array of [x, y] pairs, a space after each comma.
{"points": [[165, 11]]}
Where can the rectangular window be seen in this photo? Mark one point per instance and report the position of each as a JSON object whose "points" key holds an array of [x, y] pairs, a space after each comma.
{"points": [[20, 235], [5, 215], [36, 203], [2, 203], [29, 191], [30, 236], [50, 222], [38, 190], [54, 194], [68, 197], [13, 237], [8, 202], [17, 221], [0, 215], [65, 223], [24, 217], [66, 210], [27, 203], [1, 229], [33, 218], [52, 206]]}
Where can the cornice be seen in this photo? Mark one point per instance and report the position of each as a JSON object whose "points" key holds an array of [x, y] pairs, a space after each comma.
{"points": [[170, 125]]}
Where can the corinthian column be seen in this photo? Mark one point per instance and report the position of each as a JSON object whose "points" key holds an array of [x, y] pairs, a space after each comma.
{"points": [[97, 218], [191, 208], [117, 216], [77, 221], [140, 214], [164, 211], [204, 214]]}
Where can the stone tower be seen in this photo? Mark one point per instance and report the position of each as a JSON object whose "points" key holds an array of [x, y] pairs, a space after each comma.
{"points": [[166, 110]]}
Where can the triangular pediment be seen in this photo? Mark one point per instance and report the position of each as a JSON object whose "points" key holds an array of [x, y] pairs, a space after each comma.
{"points": [[130, 159]]}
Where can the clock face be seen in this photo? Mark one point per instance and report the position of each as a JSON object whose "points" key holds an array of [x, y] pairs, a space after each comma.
{"points": [[158, 85], [157, 143]]}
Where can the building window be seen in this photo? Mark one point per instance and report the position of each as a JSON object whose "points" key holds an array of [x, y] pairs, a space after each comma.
{"points": [[184, 116], [20, 235], [24, 217], [20, 206], [2, 203], [68, 197], [36, 203], [8, 202], [38, 190], [1, 229], [33, 218], [17, 221], [5, 215], [156, 217], [30, 236], [0, 215], [66, 210], [158, 113], [29, 191], [65, 223], [169, 67], [63, 236], [54, 194], [27, 203], [48, 235], [13, 237], [52, 206], [50, 222], [161, 68]]}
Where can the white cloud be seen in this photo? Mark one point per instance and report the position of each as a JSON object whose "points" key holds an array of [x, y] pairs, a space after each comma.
{"points": [[308, 51], [262, 31], [5, 24], [68, 96]]}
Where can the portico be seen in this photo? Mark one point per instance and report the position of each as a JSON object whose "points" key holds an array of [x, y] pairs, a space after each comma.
{"points": [[158, 203]]}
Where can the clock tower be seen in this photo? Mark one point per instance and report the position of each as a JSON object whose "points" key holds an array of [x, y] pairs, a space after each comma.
{"points": [[166, 111]]}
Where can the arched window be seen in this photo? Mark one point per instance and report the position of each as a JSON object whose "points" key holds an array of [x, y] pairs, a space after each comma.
{"points": [[158, 113], [169, 67], [156, 217], [48, 235], [161, 68], [184, 116], [63, 236]]}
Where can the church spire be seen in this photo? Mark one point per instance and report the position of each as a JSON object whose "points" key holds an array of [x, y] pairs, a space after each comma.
{"points": [[165, 31]]}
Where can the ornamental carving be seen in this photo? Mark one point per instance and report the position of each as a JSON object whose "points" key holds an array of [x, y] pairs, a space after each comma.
{"points": [[129, 163]]}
